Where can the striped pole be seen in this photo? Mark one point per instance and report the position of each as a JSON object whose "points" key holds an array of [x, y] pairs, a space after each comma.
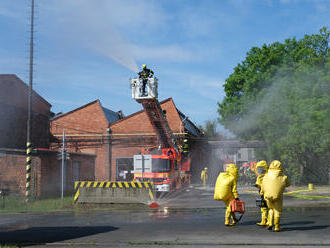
{"points": [[29, 120], [28, 170]]}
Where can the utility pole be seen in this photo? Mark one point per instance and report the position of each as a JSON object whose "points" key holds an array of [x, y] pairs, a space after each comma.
{"points": [[29, 120]]}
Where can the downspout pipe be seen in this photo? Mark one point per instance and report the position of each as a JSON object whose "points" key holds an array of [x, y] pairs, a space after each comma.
{"points": [[109, 165]]}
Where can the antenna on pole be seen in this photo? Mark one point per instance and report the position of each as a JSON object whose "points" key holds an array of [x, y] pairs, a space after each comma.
{"points": [[29, 120]]}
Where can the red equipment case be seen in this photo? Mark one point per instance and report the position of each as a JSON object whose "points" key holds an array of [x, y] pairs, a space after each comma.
{"points": [[237, 206]]}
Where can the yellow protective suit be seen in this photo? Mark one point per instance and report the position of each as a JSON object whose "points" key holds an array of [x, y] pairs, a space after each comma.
{"points": [[272, 188], [226, 190], [204, 176], [260, 170]]}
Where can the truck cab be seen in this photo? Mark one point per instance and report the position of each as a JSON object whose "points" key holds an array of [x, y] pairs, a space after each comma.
{"points": [[161, 169]]}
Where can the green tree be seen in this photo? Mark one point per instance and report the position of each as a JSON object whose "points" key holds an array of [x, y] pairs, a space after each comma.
{"points": [[210, 129], [280, 94]]}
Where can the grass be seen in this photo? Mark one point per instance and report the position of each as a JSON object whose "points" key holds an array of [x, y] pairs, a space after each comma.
{"points": [[309, 197], [17, 204], [305, 193]]}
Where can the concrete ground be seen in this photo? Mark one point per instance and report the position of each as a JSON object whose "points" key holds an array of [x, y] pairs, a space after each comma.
{"points": [[190, 218]]}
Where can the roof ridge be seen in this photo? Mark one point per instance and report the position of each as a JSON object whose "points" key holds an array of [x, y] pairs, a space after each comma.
{"points": [[81, 107], [141, 111]]}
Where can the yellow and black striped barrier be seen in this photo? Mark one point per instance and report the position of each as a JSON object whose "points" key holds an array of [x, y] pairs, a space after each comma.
{"points": [[109, 192], [28, 170]]}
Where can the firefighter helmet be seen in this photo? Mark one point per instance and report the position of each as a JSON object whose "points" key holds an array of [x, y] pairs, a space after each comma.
{"points": [[144, 66]]}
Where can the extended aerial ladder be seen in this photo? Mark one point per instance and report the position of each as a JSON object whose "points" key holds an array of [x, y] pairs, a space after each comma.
{"points": [[154, 111], [165, 170]]}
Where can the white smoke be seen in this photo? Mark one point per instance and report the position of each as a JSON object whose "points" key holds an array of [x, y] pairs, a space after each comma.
{"points": [[88, 24], [265, 103], [112, 46]]}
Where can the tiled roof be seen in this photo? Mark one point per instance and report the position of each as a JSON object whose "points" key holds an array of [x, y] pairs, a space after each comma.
{"points": [[189, 125], [111, 115]]}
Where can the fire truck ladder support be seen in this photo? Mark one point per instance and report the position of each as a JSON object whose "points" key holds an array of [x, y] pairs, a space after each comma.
{"points": [[158, 121]]}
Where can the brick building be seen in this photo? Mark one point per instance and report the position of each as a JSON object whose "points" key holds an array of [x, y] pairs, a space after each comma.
{"points": [[87, 130], [13, 114], [114, 138], [13, 127]]}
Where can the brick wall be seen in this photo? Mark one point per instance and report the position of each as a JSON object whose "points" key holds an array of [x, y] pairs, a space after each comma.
{"points": [[13, 128], [51, 173], [86, 119], [101, 162], [13, 115], [12, 172], [45, 174]]}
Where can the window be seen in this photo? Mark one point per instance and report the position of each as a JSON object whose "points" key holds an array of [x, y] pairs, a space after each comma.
{"points": [[124, 169], [160, 165]]}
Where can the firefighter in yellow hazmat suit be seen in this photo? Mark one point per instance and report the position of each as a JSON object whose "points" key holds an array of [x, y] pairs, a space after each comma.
{"points": [[260, 170], [204, 176], [272, 188], [226, 190]]}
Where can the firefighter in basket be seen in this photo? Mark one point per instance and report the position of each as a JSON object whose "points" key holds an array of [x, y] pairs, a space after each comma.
{"points": [[260, 170], [272, 188], [226, 190], [143, 76]]}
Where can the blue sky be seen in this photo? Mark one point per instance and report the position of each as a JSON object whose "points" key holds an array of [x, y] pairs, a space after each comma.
{"points": [[87, 50]]}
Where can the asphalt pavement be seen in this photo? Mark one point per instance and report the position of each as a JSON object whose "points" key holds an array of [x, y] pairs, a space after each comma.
{"points": [[190, 218]]}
